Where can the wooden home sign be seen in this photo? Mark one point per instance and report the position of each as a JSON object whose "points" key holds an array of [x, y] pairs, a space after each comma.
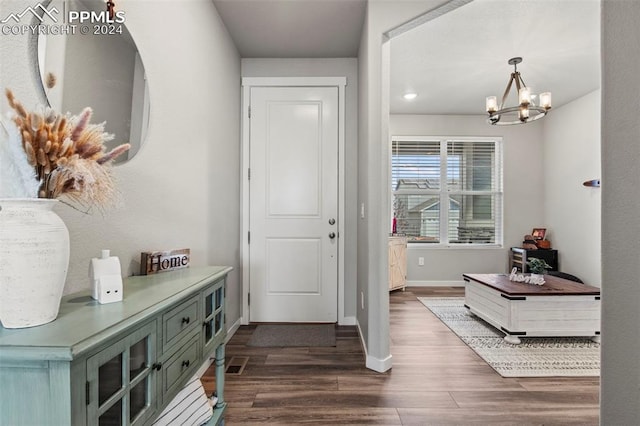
{"points": [[152, 262]]}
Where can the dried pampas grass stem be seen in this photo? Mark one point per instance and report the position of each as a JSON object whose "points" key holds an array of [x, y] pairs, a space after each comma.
{"points": [[68, 154]]}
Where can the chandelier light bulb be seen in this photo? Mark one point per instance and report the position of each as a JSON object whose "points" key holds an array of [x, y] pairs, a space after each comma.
{"points": [[492, 104], [524, 96], [410, 96], [545, 100]]}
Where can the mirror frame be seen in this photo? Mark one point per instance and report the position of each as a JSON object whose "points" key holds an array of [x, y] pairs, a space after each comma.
{"points": [[43, 98]]}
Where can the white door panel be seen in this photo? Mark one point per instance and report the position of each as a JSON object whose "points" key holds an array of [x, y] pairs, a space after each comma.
{"points": [[294, 145], [287, 257], [293, 197]]}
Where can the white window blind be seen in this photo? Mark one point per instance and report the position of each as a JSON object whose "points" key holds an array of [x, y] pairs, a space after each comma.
{"points": [[447, 191]]}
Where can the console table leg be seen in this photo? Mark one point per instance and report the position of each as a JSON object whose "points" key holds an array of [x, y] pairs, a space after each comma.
{"points": [[220, 357], [514, 340]]}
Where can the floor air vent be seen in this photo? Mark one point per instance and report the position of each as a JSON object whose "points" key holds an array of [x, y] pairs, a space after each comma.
{"points": [[236, 365]]}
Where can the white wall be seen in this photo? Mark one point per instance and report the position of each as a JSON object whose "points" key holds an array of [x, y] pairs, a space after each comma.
{"points": [[19, 73], [362, 288], [182, 189], [620, 381], [329, 67], [572, 211], [373, 196], [523, 195]]}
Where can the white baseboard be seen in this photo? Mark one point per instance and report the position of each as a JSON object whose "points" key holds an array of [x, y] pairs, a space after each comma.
{"points": [[379, 365], [348, 321], [418, 283], [351, 320], [372, 363], [232, 330], [204, 367]]}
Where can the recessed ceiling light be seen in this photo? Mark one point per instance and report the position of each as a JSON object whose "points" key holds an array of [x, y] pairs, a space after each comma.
{"points": [[410, 96]]}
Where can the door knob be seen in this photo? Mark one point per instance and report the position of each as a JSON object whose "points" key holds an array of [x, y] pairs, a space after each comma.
{"points": [[332, 221], [332, 235]]}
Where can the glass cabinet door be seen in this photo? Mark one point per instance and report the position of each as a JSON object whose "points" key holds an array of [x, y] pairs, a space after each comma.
{"points": [[214, 328], [120, 381]]}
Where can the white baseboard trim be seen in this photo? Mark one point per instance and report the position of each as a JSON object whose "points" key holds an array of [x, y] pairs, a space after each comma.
{"points": [[204, 367], [348, 321], [351, 320], [375, 364], [232, 330], [379, 365], [418, 283]]}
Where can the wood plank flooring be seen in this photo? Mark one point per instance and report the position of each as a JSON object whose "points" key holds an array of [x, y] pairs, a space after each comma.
{"points": [[435, 380]]}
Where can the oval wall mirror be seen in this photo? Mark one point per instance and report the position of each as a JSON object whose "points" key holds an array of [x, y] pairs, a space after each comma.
{"points": [[101, 71]]}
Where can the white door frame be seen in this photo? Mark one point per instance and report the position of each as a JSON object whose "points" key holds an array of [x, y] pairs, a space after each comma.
{"points": [[247, 84]]}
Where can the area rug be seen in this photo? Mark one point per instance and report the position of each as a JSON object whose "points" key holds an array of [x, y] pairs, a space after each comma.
{"points": [[534, 357], [286, 335]]}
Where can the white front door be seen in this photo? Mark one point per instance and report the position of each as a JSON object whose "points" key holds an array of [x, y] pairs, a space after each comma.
{"points": [[293, 197]]}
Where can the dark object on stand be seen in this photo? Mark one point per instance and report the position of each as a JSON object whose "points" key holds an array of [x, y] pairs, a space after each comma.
{"points": [[565, 276], [529, 243], [518, 258], [543, 244]]}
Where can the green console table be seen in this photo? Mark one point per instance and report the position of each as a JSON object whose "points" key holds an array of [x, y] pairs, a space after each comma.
{"points": [[119, 363]]}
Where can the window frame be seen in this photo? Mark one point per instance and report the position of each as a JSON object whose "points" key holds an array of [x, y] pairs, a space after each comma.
{"points": [[444, 192]]}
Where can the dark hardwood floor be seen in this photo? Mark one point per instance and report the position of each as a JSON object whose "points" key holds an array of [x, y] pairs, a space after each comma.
{"points": [[435, 380]]}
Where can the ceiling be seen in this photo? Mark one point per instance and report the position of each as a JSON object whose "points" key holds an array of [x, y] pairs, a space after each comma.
{"points": [[456, 61], [294, 28], [452, 62]]}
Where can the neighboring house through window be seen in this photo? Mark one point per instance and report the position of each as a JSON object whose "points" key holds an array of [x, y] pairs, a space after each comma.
{"points": [[447, 191]]}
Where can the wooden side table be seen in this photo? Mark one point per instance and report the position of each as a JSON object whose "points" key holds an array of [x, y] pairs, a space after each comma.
{"points": [[397, 262]]}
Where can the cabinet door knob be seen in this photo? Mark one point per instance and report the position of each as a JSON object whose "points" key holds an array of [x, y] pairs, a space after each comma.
{"points": [[185, 320], [157, 366], [185, 363]]}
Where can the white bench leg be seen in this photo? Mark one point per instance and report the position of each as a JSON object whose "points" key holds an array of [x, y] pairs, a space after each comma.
{"points": [[514, 340]]}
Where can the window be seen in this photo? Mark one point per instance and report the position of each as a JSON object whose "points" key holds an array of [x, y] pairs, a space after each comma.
{"points": [[447, 191]]}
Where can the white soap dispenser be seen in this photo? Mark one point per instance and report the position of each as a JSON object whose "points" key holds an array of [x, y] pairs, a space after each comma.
{"points": [[106, 278]]}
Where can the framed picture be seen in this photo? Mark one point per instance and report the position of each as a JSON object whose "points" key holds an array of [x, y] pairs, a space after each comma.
{"points": [[538, 233]]}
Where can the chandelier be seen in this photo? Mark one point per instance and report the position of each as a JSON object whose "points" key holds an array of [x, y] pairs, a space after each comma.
{"points": [[526, 110]]}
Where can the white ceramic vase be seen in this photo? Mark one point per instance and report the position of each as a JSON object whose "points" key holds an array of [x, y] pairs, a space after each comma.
{"points": [[34, 259]]}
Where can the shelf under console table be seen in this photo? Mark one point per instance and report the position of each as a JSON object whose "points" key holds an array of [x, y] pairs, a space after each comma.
{"points": [[119, 363]]}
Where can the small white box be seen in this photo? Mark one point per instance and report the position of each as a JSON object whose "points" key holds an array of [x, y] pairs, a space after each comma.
{"points": [[109, 288], [106, 278]]}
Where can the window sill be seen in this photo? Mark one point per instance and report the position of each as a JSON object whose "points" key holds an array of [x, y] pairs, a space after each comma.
{"points": [[430, 246]]}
